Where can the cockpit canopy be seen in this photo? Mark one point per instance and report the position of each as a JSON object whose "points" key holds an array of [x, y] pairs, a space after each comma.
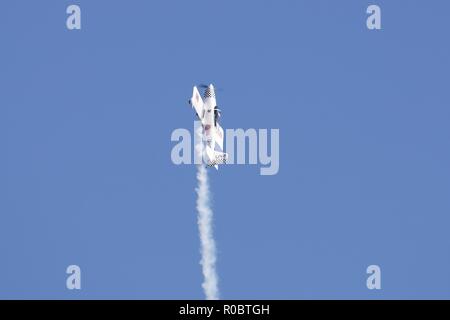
{"points": [[216, 115]]}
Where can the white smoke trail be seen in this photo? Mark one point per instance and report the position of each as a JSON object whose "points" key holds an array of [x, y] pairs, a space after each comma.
{"points": [[205, 215]]}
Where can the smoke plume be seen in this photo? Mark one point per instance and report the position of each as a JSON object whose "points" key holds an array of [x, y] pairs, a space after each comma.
{"points": [[205, 217]]}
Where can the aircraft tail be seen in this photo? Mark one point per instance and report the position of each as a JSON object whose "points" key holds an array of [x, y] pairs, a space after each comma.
{"points": [[216, 157]]}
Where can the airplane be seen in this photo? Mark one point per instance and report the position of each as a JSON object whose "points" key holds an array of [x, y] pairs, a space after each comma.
{"points": [[208, 113]]}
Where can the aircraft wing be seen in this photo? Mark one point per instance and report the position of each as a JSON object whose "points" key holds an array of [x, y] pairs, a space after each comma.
{"points": [[197, 103]]}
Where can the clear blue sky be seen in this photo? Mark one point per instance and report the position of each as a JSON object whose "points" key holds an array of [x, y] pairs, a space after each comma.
{"points": [[86, 176]]}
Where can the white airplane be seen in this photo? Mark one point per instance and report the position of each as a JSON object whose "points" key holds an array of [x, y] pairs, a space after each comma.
{"points": [[209, 114]]}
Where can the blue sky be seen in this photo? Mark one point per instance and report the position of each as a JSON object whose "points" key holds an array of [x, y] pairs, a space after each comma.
{"points": [[86, 176]]}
